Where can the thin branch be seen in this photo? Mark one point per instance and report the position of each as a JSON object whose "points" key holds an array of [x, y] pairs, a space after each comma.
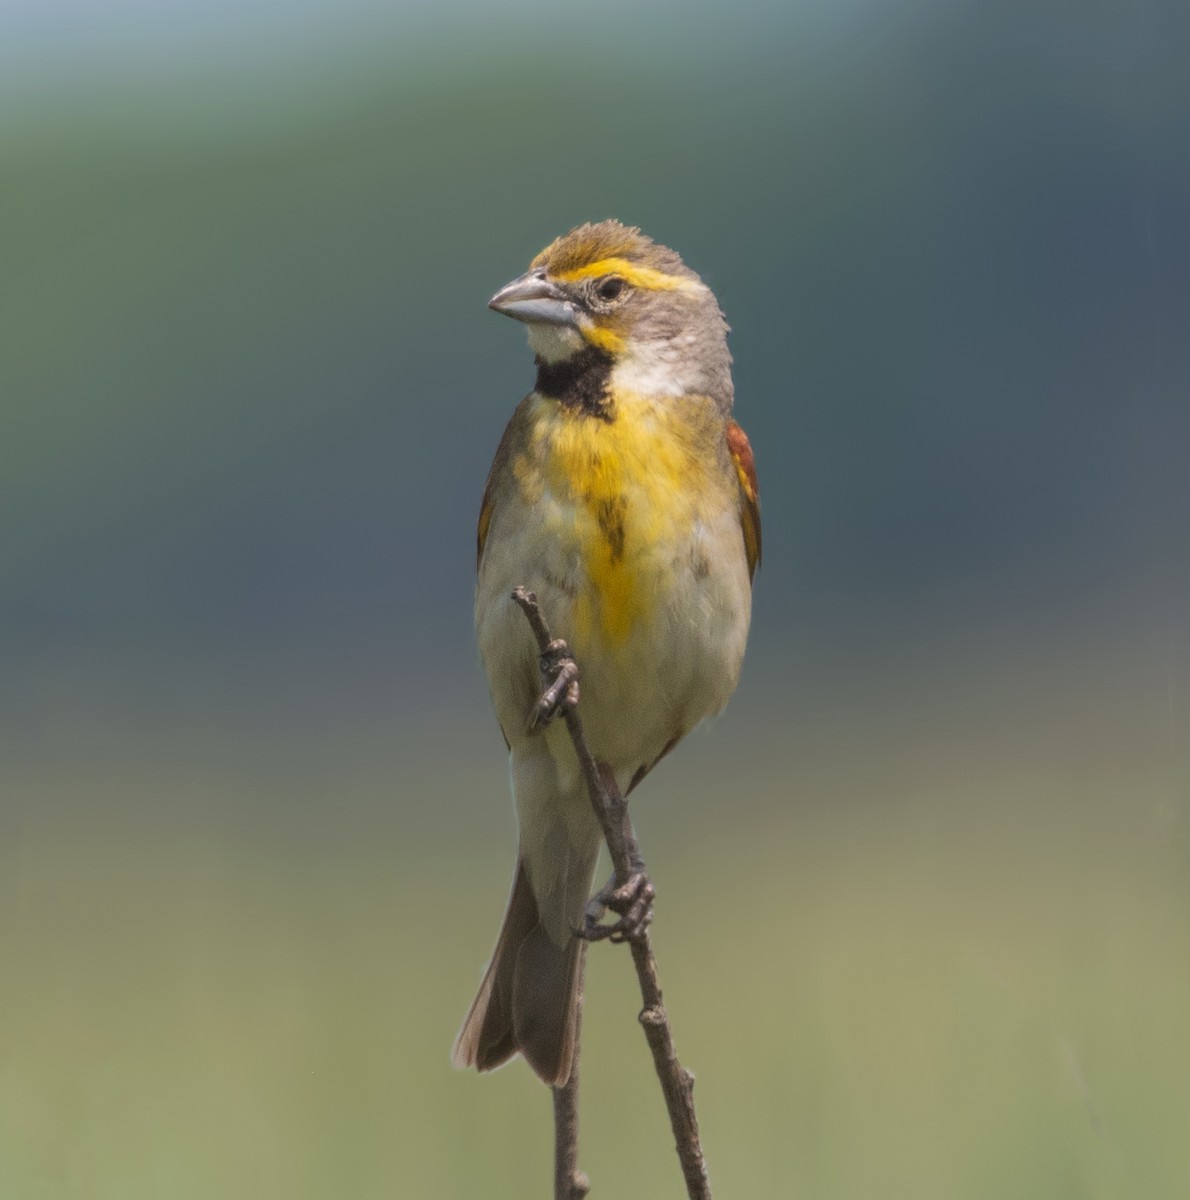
{"points": [[677, 1084], [569, 1182]]}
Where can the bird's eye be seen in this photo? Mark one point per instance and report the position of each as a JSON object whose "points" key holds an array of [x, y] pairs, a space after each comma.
{"points": [[610, 287]]}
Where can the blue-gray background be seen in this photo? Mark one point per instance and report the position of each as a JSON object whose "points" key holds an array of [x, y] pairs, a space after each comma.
{"points": [[925, 920]]}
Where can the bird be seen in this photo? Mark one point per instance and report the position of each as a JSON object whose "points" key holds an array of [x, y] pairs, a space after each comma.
{"points": [[624, 495]]}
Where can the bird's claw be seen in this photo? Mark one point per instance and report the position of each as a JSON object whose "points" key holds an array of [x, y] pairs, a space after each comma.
{"points": [[559, 673], [632, 899]]}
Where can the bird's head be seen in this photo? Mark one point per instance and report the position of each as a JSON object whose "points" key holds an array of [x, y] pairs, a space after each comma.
{"points": [[608, 294]]}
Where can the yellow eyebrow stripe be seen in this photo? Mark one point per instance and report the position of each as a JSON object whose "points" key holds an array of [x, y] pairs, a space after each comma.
{"points": [[604, 338], [642, 277]]}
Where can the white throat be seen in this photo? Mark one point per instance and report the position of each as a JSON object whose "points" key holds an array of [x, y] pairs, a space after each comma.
{"points": [[553, 343]]}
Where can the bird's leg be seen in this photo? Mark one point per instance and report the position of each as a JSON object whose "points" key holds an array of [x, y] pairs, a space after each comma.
{"points": [[559, 674], [629, 895], [632, 900]]}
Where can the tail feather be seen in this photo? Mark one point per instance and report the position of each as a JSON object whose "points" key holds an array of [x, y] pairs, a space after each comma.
{"points": [[528, 1000], [487, 1038], [545, 1002]]}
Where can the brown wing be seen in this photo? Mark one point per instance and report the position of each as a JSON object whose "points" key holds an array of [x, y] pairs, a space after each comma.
{"points": [[503, 451], [741, 454]]}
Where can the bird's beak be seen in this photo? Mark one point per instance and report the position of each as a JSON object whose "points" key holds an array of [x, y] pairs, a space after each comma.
{"points": [[535, 300]]}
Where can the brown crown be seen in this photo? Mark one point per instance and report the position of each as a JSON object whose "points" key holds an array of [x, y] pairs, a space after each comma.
{"points": [[607, 239]]}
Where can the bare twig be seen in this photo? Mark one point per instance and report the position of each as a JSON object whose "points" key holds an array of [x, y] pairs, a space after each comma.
{"points": [[677, 1084], [569, 1182]]}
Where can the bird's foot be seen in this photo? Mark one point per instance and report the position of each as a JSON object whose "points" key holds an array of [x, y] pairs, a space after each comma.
{"points": [[559, 673], [631, 898]]}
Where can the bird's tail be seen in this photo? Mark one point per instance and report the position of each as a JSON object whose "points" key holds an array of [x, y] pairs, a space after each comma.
{"points": [[528, 1000]]}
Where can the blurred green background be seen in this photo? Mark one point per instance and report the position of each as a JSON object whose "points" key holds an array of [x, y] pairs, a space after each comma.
{"points": [[925, 888]]}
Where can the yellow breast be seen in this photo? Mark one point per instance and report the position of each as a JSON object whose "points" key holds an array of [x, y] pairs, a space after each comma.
{"points": [[620, 496]]}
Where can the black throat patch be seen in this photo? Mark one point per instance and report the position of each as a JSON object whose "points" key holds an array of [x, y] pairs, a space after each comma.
{"points": [[579, 382]]}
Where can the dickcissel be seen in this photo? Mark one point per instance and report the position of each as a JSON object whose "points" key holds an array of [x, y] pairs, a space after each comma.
{"points": [[625, 496]]}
